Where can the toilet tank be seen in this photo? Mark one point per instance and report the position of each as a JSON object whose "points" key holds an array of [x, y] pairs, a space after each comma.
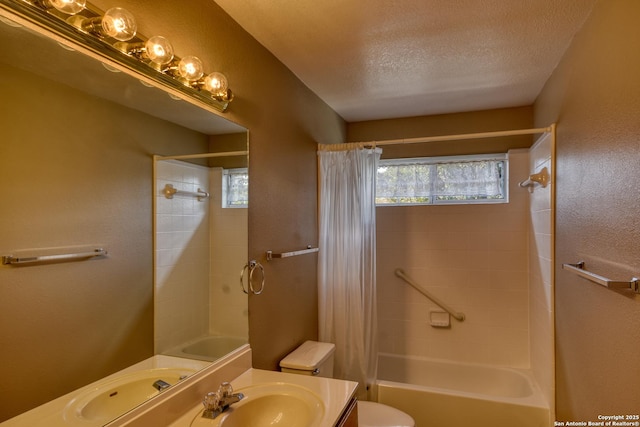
{"points": [[311, 358]]}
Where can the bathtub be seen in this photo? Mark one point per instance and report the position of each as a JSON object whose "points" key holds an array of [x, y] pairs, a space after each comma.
{"points": [[209, 348], [439, 393]]}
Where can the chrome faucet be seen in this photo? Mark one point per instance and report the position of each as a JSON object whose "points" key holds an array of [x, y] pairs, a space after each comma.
{"points": [[215, 403], [161, 385]]}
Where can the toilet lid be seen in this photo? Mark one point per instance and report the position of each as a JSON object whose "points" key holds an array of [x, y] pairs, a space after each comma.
{"points": [[373, 414]]}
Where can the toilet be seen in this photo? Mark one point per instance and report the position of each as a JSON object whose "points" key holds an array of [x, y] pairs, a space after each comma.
{"points": [[316, 358]]}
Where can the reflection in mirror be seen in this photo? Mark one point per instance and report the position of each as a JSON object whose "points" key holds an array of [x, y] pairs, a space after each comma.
{"points": [[76, 162], [200, 248]]}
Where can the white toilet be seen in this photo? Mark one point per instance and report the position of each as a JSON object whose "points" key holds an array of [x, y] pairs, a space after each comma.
{"points": [[316, 358]]}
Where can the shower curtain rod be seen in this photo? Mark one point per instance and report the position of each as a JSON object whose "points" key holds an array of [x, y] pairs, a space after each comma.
{"points": [[459, 137], [202, 156]]}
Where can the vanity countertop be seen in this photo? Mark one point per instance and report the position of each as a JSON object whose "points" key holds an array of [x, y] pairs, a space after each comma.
{"points": [[335, 394]]}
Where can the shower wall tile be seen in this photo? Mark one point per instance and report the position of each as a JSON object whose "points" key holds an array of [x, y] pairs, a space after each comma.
{"points": [[473, 257], [541, 271], [182, 256]]}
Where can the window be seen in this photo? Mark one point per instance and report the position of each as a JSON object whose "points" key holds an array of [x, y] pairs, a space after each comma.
{"points": [[235, 188], [440, 180]]}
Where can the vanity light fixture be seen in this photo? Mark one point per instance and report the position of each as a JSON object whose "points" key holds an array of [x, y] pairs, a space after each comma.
{"points": [[117, 29], [117, 23], [70, 7], [157, 49], [216, 83], [190, 68]]}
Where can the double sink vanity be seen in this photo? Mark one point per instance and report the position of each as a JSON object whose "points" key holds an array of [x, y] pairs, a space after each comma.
{"points": [[265, 398]]}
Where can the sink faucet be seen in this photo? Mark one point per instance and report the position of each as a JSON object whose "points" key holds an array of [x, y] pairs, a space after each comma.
{"points": [[215, 403], [161, 385]]}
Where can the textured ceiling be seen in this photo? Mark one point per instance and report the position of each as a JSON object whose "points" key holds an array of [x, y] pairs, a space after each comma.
{"points": [[400, 58]]}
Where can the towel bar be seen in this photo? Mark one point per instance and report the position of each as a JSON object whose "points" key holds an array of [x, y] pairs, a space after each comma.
{"points": [[169, 191], [13, 260], [309, 250], [578, 268]]}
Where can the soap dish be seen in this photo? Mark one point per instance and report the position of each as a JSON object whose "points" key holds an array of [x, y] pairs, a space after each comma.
{"points": [[440, 319]]}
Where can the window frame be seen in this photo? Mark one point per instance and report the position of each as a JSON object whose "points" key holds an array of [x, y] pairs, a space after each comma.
{"points": [[225, 188], [450, 159]]}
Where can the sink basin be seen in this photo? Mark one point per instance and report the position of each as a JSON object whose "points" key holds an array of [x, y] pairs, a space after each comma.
{"points": [[269, 405], [111, 399]]}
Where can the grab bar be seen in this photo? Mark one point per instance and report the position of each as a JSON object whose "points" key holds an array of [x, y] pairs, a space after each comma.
{"points": [[169, 191], [13, 260], [578, 268], [456, 315], [309, 250]]}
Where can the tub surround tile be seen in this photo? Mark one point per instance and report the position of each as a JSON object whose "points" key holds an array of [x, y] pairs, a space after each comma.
{"points": [[473, 257]]}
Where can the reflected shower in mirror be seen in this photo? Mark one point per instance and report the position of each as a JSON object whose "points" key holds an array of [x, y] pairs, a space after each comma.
{"points": [[76, 162], [200, 247]]}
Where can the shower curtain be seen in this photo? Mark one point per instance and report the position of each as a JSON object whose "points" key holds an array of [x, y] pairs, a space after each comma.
{"points": [[346, 261]]}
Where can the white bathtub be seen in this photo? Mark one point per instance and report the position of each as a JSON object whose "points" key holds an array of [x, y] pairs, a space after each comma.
{"points": [[209, 348], [439, 393]]}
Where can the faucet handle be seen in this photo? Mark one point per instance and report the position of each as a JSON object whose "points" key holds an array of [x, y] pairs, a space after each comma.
{"points": [[225, 390], [211, 401]]}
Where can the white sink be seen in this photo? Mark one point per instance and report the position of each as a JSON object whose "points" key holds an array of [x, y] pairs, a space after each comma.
{"points": [[109, 399], [270, 405]]}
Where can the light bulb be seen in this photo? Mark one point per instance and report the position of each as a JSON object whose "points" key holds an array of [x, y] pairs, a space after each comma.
{"points": [[119, 24], [159, 50], [190, 68], [216, 83], [70, 7]]}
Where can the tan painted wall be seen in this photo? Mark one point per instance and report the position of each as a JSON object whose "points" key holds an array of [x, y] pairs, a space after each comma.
{"points": [[594, 95], [111, 166], [447, 124]]}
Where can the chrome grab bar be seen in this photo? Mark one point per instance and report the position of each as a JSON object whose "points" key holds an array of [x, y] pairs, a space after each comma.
{"points": [[456, 315], [578, 268], [13, 260]]}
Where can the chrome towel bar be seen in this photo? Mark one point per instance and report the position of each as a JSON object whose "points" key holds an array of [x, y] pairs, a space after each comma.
{"points": [[309, 250], [456, 315], [14, 260], [578, 268]]}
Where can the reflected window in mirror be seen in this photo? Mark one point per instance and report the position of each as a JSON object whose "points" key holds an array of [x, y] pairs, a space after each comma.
{"points": [[235, 188]]}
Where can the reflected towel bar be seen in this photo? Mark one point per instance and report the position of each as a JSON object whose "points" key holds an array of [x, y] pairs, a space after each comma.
{"points": [[169, 191], [13, 260], [456, 315], [578, 268], [309, 250]]}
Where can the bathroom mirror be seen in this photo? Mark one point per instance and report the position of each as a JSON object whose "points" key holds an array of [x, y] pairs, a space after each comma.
{"points": [[77, 166]]}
